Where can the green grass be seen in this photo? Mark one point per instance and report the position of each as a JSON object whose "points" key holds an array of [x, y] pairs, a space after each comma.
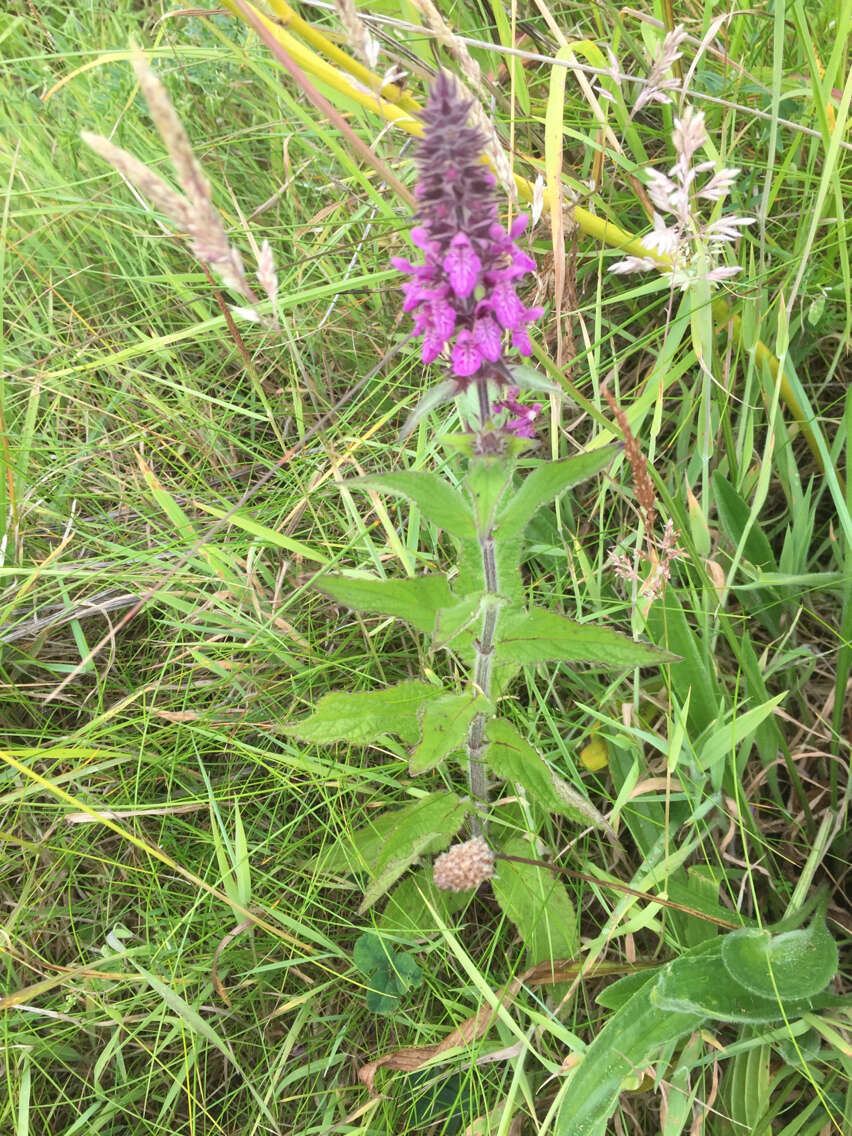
{"points": [[177, 937]]}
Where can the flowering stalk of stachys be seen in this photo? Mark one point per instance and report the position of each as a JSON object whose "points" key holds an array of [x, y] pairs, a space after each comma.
{"points": [[464, 301], [463, 296]]}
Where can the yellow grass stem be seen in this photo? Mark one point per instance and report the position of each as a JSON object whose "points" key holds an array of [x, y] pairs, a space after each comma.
{"points": [[353, 67]]}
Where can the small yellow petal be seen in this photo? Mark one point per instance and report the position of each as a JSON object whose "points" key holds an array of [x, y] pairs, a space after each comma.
{"points": [[595, 756]]}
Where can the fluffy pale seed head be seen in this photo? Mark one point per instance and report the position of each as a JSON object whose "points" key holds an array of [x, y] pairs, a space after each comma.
{"points": [[456, 46], [189, 172], [360, 40], [464, 866], [148, 183]]}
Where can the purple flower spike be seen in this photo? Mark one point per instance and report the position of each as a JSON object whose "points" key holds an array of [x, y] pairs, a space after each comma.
{"points": [[463, 295]]}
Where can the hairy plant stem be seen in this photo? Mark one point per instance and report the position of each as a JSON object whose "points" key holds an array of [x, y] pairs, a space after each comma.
{"points": [[484, 405], [484, 653]]}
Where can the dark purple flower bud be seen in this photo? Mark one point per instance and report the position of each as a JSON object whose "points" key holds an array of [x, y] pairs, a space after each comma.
{"points": [[463, 295]]}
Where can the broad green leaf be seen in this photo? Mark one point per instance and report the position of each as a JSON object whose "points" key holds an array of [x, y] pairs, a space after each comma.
{"points": [[364, 716], [683, 994], [508, 552], [358, 851], [699, 982], [792, 965], [416, 908], [546, 482], [417, 601], [437, 499], [539, 906], [539, 636], [631, 1039], [459, 625], [511, 757], [421, 828], [614, 996], [444, 723], [471, 577], [696, 888]]}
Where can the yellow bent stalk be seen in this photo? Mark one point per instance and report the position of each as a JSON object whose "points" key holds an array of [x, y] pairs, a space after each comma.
{"points": [[356, 82]]}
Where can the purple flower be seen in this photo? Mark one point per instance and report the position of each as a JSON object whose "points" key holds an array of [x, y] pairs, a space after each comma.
{"points": [[522, 424], [463, 294]]}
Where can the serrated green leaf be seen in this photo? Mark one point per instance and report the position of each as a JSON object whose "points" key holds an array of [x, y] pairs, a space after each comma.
{"points": [[441, 502], [546, 482], [416, 907], [425, 826], [358, 851], [417, 600], [513, 758], [538, 905], [541, 636], [457, 624], [364, 716], [444, 723], [471, 577], [791, 965]]}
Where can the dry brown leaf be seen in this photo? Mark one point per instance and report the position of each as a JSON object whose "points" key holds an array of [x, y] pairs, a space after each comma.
{"points": [[411, 1058]]}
